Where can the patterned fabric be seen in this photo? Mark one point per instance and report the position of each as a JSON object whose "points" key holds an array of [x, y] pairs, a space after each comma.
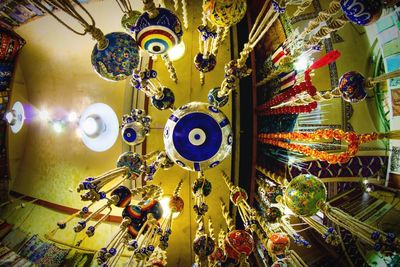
{"points": [[10, 258], [14, 239], [34, 249], [78, 259], [54, 257], [5, 228], [6, 72], [10, 44], [362, 166]]}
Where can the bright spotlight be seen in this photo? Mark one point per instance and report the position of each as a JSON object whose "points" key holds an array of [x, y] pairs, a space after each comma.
{"points": [[78, 133], [302, 63], [44, 115], [177, 51], [166, 209], [72, 117], [58, 126]]}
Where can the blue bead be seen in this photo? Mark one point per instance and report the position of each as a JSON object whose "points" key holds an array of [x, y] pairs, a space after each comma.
{"points": [[377, 247], [113, 251]]}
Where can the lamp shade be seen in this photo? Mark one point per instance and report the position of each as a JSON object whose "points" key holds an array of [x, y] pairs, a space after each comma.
{"points": [[99, 127]]}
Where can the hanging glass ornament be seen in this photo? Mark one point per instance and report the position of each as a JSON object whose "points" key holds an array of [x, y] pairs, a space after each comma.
{"points": [[161, 97], [198, 136], [278, 243], [238, 242], [303, 193], [215, 100], [158, 30], [201, 188], [203, 246], [362, 12], [165, 101], [117, 60], [306, 195], [205, 61], [225, 13], [135, 127], [175, 205], [115, 55]]}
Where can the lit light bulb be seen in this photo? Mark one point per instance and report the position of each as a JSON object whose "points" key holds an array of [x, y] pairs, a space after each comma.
{"points": [[58, 127], [90, 126], [166, 209], [72, 116], [177, 51], [44, 115], [368, 189], [78, 133], [302, 63], [365, 181], [10, 118]]}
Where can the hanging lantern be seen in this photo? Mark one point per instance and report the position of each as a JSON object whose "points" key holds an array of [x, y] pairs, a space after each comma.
{"points": [[362, 12], [165, 101], [118, 59], [238, 242], [203, 245], [306, 195], [225, 13], [303, 194], [201, 188], [133, 161], [273, 214], [215, 100], [176, 204], [154, 207], [124, 195], [278, 243], [352, 87], [135, 127], [158, 34], [197, 136]]}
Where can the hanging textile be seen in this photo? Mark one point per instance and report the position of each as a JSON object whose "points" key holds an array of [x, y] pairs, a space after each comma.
{"points": [[10, 44], [54, 257], [34, 249], [14, 239], [361, 166], [77, 259], [5, 228], [10, 258]]}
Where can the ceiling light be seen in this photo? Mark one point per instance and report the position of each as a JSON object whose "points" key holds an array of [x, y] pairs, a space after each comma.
{"points": [[44, 115], [166, 209], [16, 117], [72, 116], [99, 127], [58, 126], [177, 51]]}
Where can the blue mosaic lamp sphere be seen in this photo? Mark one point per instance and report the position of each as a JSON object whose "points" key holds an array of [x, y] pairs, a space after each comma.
{"points": [[215, 100], [362, 12], [198, 136], [118, 59], [133, 161], [166, 101], [352, 87], [158, 35]]}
